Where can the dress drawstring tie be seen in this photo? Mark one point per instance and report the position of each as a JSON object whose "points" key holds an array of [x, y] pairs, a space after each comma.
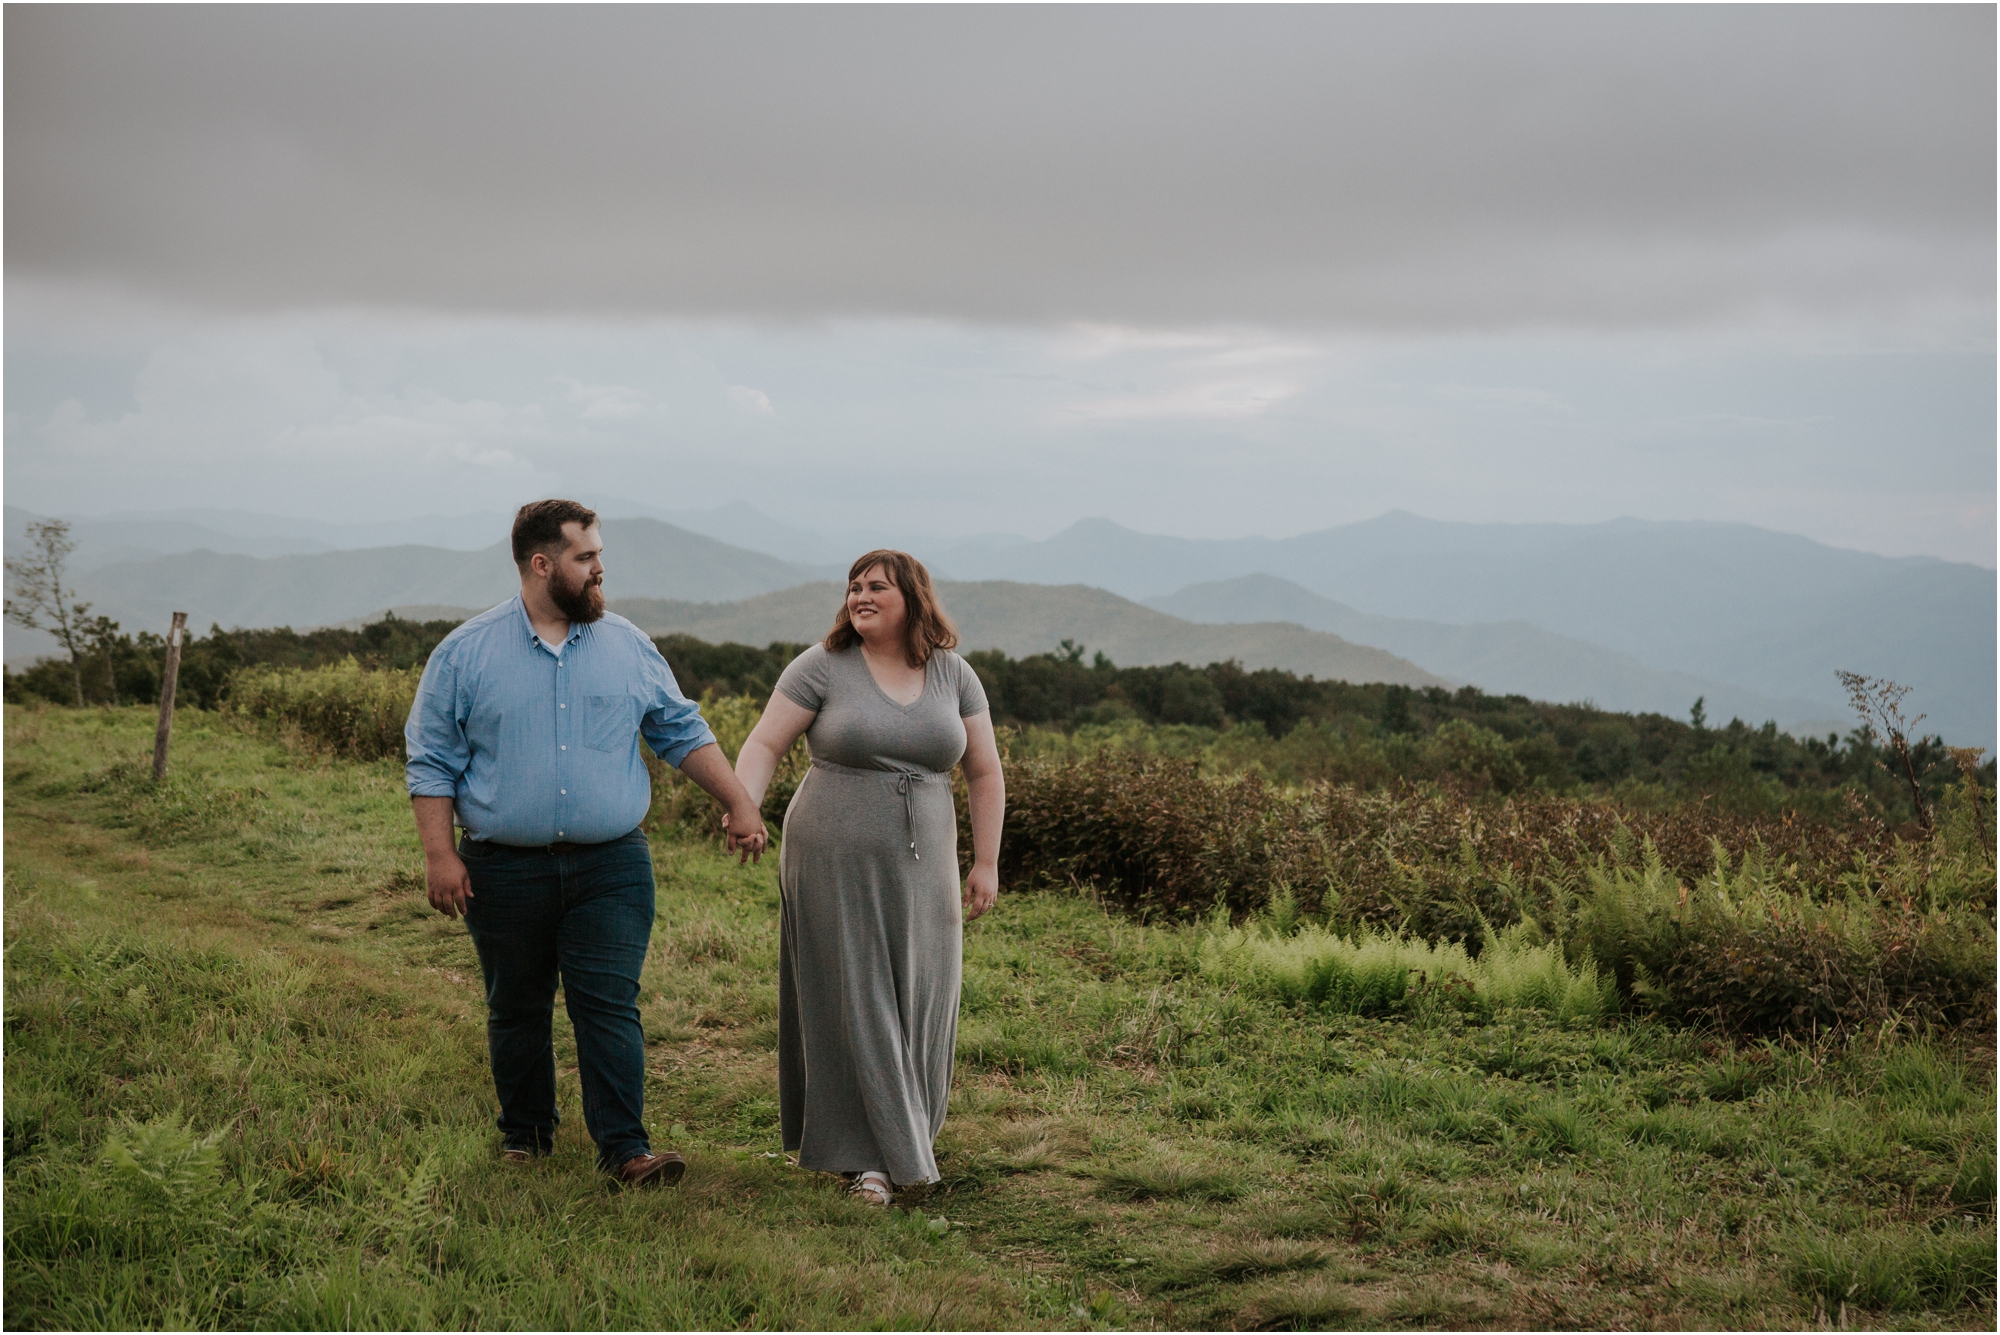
{"points": [[906, 781], [903, 786]]}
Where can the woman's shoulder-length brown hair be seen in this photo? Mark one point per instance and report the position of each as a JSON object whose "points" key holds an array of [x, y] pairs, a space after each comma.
{"points": [[926, 628]]}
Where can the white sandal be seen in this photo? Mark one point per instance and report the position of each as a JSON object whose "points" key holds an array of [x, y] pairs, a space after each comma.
{"points": [[872, 1188]]}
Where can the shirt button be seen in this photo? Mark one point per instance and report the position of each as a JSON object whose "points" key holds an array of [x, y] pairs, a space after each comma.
{"points": [[565, 792], [562, 748], [562, 706]]}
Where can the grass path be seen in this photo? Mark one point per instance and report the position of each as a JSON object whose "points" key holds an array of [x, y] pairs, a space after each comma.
{"points": [[246, 1085]]}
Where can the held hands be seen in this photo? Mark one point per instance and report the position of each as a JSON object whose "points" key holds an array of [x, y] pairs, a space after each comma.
{"points": [[747, 837], [982, 889]]}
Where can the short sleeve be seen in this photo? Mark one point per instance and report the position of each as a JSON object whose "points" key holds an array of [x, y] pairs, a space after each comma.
{"points": [[671, 723], [804, 679], [971, 695]]}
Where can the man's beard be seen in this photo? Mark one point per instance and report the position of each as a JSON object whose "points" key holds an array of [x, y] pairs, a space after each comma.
{"points": [[581, 603]]}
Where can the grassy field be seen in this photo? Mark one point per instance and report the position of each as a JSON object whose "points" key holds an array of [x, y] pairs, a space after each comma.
{"points": [[246, 1085]]}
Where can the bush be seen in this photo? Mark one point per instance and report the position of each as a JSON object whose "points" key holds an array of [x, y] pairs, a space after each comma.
{"points": [[1151, 833], [1739, 950], [337, 710], [1756, 924]]}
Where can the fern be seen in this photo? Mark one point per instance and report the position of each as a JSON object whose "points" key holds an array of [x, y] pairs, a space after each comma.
{"points": [[411, 1217], [165, 1163]]}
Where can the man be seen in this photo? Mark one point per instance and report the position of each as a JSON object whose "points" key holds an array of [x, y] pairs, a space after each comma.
{"points": [[526, 728]]}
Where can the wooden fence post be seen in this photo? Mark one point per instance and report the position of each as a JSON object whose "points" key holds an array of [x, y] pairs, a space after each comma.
{"points": [[167, 682]]}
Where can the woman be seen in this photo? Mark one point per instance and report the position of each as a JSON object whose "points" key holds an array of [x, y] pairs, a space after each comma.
{"points": [[869, 963]]}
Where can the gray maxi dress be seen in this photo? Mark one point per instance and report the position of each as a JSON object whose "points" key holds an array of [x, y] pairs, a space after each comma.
{"points": [[870, 957]]}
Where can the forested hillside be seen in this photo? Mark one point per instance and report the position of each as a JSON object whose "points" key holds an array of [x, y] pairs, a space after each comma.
{"points": [[1036, 618], [1292, 728]]}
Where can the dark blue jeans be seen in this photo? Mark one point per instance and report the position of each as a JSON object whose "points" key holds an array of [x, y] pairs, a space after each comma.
{"points": [[585, 916]]}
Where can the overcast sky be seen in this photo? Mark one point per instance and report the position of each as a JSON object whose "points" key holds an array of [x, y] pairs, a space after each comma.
{"points": [[1208, 271]]}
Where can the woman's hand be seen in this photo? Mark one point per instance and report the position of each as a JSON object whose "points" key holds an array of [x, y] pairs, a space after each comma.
{"points": [[745, 835], [986, 801], [982, 889]]}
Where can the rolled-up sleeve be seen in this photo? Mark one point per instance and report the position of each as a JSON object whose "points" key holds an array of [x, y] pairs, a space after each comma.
{"points": [[672, 724], [434, 737]]}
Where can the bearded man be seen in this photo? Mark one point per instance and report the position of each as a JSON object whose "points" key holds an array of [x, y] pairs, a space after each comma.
{"points": [[525, 733]]}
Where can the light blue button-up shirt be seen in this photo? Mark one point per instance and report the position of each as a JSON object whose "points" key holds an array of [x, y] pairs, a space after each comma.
{"points": [[536, 747]]}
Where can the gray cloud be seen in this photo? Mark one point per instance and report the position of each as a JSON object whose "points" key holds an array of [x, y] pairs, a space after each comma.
{"points": [[1395, 167]]}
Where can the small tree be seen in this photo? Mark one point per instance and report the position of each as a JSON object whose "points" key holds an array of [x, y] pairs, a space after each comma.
{"points": [[102, 634], [37, 599], [1879, 702], [1967, 759]]}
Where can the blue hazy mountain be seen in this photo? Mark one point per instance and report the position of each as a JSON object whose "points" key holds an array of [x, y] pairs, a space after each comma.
{"points": [[1765, 612], [1035, 618], [746, 526], [106, 541], [1503, 657], [644, 558], [1631, 614]]}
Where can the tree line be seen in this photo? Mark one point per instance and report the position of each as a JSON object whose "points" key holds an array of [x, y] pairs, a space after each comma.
{"points": [[1291, 727]]}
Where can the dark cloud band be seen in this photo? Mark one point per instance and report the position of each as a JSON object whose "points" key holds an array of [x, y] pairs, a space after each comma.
{"points": [[1418, 167]]}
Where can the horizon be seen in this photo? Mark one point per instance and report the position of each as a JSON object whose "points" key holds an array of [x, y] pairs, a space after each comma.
{"points": [[614, 512]]}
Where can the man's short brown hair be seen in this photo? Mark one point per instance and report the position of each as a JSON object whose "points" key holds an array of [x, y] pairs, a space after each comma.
{"points": [[538, 527]]}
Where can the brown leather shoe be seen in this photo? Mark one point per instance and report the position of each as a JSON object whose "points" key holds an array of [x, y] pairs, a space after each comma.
{"points": [[642, 1169]]}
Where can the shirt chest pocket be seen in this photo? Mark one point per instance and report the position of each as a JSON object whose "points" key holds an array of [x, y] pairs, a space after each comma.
{"points": [[609, 722]]}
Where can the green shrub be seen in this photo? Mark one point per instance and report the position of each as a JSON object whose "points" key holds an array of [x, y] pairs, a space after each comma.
{"points": [[339, 710], [1755, 924], [1150, 833], [1739, 950], [1473, 758]]}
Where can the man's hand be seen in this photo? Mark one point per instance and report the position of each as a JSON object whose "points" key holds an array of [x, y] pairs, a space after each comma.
{"points": [[747, 836], [982, 890], [446, 883], [708, 767]]}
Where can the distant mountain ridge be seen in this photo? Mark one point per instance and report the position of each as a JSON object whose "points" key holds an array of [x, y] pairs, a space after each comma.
{"points": [[643, 556], [138, 535], [102, 542], [1504, 658], [1035, 618], [1631, 613], [1766, 612], [744, 525]]}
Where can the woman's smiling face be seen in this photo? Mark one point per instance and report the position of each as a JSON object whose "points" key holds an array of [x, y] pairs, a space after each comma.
{"points": [[875, 606]]}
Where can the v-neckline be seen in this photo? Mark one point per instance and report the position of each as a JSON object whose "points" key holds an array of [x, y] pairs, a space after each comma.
{"points": [[905, 708]]}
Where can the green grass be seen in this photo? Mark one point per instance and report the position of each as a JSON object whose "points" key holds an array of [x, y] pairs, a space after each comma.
{"points": [[246, 1085], [1369, 971]]}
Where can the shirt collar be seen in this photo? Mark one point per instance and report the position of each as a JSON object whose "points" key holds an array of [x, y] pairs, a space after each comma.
{"points": [[521, 610]]}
